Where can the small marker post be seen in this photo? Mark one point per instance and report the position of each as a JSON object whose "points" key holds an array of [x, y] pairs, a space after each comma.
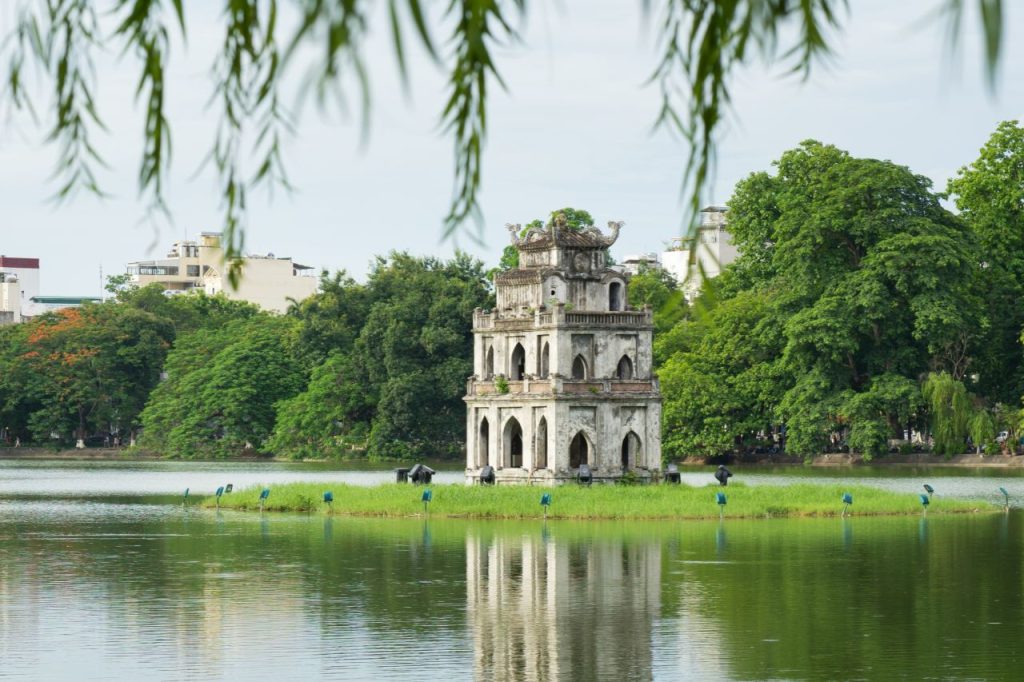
{"points": [[847, 501], [220, 491], [329, 500], [545, 501], [184, 500], [925, 501], [720, 498], [264, 494], [1006, 498], [427, 496]]}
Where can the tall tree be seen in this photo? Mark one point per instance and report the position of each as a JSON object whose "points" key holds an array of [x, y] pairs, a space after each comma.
{"points": [[869, 282], [990, 196], [416, 348]]}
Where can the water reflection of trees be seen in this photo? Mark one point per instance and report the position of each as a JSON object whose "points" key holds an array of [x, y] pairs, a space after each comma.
{"points": [[808, 599], [546, 610]]}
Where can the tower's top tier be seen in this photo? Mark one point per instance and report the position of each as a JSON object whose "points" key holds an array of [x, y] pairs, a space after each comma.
{"points": [[560, 264], [556, 245]]}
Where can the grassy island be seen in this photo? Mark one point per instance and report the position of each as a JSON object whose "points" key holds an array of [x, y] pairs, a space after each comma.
{"points": [[597, 502]]}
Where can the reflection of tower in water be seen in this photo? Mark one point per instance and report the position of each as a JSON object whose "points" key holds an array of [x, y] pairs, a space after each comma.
{"points": [[547, 610]]}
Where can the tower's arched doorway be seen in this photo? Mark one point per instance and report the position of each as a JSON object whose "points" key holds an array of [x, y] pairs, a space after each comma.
{"points": [[489, 364], [545, 361], [579, 451], [630, 451], [513, 442]]}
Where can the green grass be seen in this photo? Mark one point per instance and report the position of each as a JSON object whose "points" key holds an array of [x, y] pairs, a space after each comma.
{"points": [[597, 502]]}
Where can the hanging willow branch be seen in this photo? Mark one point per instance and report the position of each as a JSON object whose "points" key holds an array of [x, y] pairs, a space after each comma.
{"points": [[701, 43]]}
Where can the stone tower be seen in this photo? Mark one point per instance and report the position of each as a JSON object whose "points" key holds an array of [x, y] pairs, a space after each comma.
{"points": [[562, 366]]}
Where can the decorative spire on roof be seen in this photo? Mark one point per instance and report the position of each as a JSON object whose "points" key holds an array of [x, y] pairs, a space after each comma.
{"points": [[557, 232]]}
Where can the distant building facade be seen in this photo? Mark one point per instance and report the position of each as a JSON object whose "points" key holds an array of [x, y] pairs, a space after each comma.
{"points": [[563, 372], [267, 281], [634, 264], [19, 284], [714, 251]]}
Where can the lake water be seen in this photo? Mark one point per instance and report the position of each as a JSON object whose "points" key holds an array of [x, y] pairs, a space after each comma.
{"points": [[104, 583]]}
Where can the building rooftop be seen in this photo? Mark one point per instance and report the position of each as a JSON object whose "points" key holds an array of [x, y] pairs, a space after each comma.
{"points": [[15, 262], [65, 300]]}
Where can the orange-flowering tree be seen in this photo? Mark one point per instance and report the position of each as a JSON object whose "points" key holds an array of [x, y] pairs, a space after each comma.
{"points": [[79, 371]]}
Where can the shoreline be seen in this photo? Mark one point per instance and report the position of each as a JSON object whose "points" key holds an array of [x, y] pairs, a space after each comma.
{"points": [[852, 461]]}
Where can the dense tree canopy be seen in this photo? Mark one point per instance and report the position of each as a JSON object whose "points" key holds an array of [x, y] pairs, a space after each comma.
{"points": [[990, 196], [74, 372], [859, 309], [853, 282]]}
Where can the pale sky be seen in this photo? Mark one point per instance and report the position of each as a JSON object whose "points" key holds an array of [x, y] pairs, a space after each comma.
{"points": [[574, 129]]}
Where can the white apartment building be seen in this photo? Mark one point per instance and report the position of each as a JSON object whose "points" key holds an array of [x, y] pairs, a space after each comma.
{"points": [[19, 285], [267, 281], [715, 250], [634, 263]]}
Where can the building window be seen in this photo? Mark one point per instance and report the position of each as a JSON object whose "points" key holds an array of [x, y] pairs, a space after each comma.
{"points": [[192, 270], [579, 368], [541, 448], [615, 296], [625, 368], [484, 442], [518, 368]]}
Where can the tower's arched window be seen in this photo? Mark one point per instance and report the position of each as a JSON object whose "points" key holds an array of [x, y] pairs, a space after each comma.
{"points": [[518, 368], [513, 442], [630, 451], [484, 443], [541, 447], [489, 364], [579, 368], [545, 361], [579, 451], [625, 368], [615, 296]]}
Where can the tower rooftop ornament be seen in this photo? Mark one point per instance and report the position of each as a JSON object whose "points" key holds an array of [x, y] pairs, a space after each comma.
{"points": [[563, 372]]}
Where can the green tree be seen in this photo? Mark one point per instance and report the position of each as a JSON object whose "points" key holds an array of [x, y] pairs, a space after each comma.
{"points": [[866, 280], [874, 278], [416, 351], [331, 418], [951, 411], [657, 288], [222, 387], [332, 318], [722, 385], [85, 370], [990, 196]]}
